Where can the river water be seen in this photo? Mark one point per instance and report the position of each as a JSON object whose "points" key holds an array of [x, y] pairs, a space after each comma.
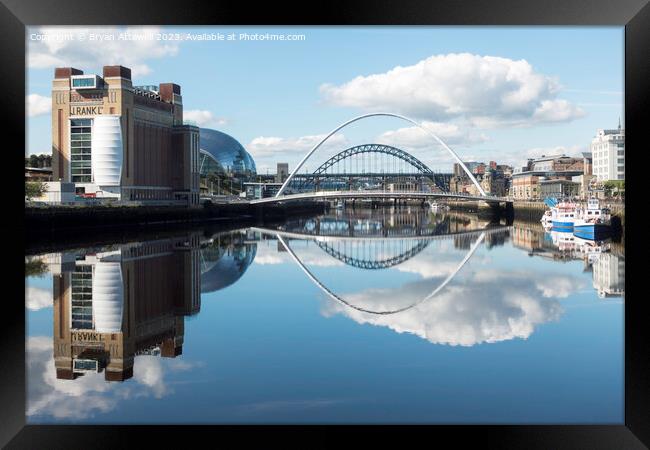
{"points": [[355, 316]]}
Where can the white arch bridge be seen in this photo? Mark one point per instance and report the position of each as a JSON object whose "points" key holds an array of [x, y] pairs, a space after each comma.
{"points": [[387, 195], [341, 168], [284, 237]]}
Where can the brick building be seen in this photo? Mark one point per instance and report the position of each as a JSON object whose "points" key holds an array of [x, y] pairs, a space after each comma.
{"points": [[115, 140]]}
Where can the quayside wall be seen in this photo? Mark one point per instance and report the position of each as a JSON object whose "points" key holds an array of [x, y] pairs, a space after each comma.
{"points": [[89, 224], [532, 211]]}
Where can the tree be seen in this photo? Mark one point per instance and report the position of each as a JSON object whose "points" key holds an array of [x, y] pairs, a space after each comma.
{"points": [[35, 268], [614, 188], [34, 189], [33, 160]]}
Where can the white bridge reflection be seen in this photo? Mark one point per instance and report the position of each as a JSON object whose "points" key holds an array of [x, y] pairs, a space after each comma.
{"points": [[324, 242]]}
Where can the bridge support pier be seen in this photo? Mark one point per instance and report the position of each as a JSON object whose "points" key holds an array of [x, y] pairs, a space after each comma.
{"points": [[509, 212]]}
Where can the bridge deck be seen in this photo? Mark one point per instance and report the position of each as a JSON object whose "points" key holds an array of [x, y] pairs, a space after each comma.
{"points": [[376, 194]]}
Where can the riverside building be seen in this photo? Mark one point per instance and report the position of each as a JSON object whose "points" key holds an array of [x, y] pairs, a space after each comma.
{"points": [[115, 140], [608, 154], [556, 172]]}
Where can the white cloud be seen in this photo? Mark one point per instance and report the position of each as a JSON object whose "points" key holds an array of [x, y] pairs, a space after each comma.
{"points": [[37, 105], [37, 298], [414, 137], [269, 150], [485, 90], [556, 111], [90, 394], [440, 267], [264, 146], [204, 118], [266, 258], [58, 51], [307, 251], [424, 147], [484, 308]]}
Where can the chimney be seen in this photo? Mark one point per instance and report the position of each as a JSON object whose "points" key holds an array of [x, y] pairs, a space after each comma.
{"points": [[66, 72], [117, 71]]}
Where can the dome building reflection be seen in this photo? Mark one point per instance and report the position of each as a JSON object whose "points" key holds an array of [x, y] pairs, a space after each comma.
{"points": [[225, 260]]}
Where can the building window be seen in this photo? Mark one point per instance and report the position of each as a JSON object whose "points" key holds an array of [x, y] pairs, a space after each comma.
{"points": [[80, 153], [81, 281], [83, 82]]}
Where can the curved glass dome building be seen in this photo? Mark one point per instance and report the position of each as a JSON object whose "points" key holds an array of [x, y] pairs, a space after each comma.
{"points": [[221, 152], [222, 266]]}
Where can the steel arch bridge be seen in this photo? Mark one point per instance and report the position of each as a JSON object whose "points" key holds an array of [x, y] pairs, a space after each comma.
{"points": [[367, 171], [278, 195], [355, 258], [374, 148], [370, 194]]}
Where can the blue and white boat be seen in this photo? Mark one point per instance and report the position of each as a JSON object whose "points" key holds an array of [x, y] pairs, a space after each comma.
{"points": [[547, 217], [594, 222], [564, 215]]}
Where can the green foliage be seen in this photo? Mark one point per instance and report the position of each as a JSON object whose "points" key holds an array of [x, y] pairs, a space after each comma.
{"points": [[34, 189], [614, 188], [35, 268], [39, 161], [615, 184]]}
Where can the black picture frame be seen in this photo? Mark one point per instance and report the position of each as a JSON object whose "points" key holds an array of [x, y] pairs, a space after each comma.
{"points": [[16, 14]]}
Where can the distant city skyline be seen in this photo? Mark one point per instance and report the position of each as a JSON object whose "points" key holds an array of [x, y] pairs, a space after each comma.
{"points": [[492, 93]]}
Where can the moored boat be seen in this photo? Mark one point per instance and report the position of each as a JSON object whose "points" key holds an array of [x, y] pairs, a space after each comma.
{"points": [[564, 215], [594, 222]]}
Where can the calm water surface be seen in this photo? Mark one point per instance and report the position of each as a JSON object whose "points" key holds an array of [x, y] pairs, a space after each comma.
{"points": [[366, 316]]}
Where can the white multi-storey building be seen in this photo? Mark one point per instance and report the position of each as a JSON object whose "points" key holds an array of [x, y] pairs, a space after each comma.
{"points": [[608, 154], [609, 275]]}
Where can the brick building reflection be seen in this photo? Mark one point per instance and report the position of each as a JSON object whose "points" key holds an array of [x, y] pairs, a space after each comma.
{"points": [[111, 306]]}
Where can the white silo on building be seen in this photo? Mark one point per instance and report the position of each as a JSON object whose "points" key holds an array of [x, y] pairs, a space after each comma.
{"points": [[108, 296], [107, 154]]}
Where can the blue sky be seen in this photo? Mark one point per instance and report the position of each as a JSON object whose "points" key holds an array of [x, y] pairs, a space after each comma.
{"points": [[501, 93]]}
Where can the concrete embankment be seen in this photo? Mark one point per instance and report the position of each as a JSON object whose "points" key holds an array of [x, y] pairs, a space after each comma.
{"points": [[482, 209], [91, 224]]}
